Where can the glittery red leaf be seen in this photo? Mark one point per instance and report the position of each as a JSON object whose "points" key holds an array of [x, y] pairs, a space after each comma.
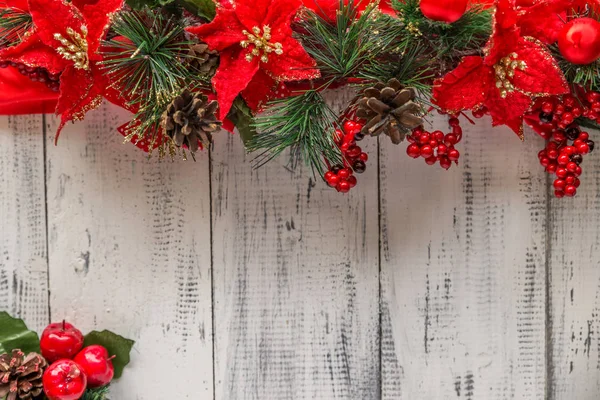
{"points": [[19, 95], [296, 65], [97, 14], [80, 92], [505, 32], [15, 4], [254, 13], [224, 31], [232, 77], [464, 88], [508, 111], [543, 21], [32, 51], [54, 16], [542, 76]]}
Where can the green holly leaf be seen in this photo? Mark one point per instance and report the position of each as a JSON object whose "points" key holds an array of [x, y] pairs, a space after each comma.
{"points": [[242, 118], [116, 345], [15, 335], [206, 9]]}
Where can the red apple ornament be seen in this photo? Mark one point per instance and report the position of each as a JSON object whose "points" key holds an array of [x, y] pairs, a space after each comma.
{"points": [[64, 380], [97, 365], [448, 11], [60, 340], [579, 41]]}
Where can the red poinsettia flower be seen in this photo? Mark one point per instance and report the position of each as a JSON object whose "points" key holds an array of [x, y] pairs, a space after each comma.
{"points": [[329, 8], [255, 40], [515, 71], [64, 40], [544, 19]]}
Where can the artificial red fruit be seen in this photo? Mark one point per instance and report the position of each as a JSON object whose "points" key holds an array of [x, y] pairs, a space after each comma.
{"points": [[579, 41], [97, 365], [64, 380], [60, 340], [448, 11]]}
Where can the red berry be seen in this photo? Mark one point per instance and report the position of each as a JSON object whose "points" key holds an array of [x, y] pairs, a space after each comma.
{"points": [[552, 154], [413, 151], [60, 340], [352, 181], [453, 155], [445, 163], [584, 136], [561, 172], [450, 139], [559, 184], [345, 146], [583, 148], [563, 159], [64, 380], [353, 152], [344, 173], [365, 157], [424, 138], [571, 167], [431, 160], [559, 136], [551, 168], [577, 171], [453, 122], [343, 187], [570, 191], [439, 135], [426, 151], [442, 149], [570, 180], [547, 107], [559, 194], [96, 364]]}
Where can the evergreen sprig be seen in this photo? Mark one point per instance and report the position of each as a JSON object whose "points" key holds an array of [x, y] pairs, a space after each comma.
{"points": [[14, 25], [96, 394], [151, 66], [303, 123], [587, 76]]}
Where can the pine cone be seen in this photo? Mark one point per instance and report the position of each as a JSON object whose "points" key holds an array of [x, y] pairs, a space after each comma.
{"points": [[21, 376], [203, 60], [190, 118], [389, 108]]}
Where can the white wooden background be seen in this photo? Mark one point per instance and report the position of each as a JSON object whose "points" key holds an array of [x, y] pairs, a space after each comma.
{"points": [[263, 284]]}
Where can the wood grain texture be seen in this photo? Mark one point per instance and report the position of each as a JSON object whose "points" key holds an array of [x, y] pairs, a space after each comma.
{"points": [[129, 245], [295, 282], [23, 255], [463, 271], [575, 288]]}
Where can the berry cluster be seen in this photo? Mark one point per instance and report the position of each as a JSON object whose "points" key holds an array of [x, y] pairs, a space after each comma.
{"points": [[341, 177], [564, 159], [435, 146], [73, 368], [36, 74]]}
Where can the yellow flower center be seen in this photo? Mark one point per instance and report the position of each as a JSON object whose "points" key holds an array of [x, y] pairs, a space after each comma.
{"points": [[505, 69], [261, 42], [75, 47]]}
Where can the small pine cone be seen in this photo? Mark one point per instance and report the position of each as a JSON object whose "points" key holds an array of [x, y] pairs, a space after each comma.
{"points": [[389, 108], [203, 60], [190, 118], [21, 376]]}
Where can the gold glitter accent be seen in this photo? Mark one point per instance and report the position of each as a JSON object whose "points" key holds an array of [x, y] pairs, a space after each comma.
{"points": [[92, 105], [261, 42], [74, 48], [505, 70]]}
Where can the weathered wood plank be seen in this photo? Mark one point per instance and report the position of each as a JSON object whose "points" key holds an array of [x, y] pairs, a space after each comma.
{"points": [[575, 282], [463, 271], [296, 282], [23, 255], [129, 244]]}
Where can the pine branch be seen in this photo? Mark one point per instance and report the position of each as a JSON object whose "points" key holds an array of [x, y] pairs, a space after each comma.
{"points": [[14, 25], [303, 123], [587, 76], [96, 394], [150, 67]]}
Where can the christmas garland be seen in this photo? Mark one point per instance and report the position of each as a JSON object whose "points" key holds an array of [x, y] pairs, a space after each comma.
{"points": [[186, 68], [61, 365]]}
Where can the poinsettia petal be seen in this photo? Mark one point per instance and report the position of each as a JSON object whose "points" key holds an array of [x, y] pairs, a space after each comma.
{"points": [[543, 21], [280, 17], [505, 32], [15, 4], [20, 95], [33, 52], [508, 111], [80, 91], [97, 14], [261, 89], [223, 32], [55, 16], [542, 75], [232, 77], [254, 13], [293, 65], [466, 87]]}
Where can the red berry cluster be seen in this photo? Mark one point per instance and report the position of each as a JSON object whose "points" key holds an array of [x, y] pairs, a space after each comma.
{"points": [[73, 368], [560, 112], [341, 177], [435, 146], [36, 74], [563, 159]]}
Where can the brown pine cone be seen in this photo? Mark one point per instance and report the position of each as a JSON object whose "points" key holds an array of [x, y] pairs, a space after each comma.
{"points": [[190, 118], [203, 60], [389, 108], [21, 376]]}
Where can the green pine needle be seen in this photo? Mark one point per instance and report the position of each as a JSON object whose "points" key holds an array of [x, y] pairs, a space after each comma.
{"points": [[587, 76], [96, 394], [303, 123], [14, 24]]}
